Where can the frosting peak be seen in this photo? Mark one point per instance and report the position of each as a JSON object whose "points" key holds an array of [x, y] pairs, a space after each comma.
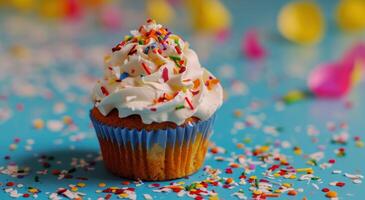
{"points": [[153, 73]]}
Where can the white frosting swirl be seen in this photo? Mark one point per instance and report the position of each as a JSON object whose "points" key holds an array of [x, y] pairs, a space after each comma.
{"points": [[155, 74]]}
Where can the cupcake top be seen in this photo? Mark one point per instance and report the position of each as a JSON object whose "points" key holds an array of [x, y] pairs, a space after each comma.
{"points": [[154, 74]]}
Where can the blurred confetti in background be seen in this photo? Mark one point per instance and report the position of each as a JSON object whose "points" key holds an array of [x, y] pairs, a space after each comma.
{"points": [[270, 57]]}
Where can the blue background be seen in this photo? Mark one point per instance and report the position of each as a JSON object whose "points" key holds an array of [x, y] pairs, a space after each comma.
{"points": [[285, 68]]}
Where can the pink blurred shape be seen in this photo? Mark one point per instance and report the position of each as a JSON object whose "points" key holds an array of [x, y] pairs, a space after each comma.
{"points": [[73, 9], [330, 80], [355, 54], [333, 80], [252, 47], [111, 17]]}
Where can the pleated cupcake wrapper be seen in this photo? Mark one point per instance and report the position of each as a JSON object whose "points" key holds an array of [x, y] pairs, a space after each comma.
{"points": [[159, 149]]}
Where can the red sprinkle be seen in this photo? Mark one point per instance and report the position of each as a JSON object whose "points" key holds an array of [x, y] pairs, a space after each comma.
{"points": [[10, 184], [332, 161], [229, 171], [165, 74], [199, 198], [340, 184], [189, 103], [155, 185], [153, 109], [133, 50], [104, 91], [117, 48], [108, 196], [56, 172], [182, 69], [26, 195], [176, 190], [178, 50], [145, 67], [325, 190]]}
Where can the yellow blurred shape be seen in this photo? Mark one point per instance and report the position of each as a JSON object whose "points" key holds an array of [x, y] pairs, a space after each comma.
{"points": [[209, 15], [160, 10], [93, 3], [52, 9], [350, 15], [301, 22], [22, 5], [356, 74]]}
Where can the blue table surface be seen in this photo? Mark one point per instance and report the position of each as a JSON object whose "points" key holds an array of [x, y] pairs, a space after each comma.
{"points": [[47, 72]]}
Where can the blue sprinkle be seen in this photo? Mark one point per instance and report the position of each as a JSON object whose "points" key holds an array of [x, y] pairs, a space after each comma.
{"points": [[146, 50], [153, 45], [123, 76]]}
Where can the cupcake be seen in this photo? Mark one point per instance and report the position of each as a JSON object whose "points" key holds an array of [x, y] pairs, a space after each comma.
{"points": [[155, 106]]}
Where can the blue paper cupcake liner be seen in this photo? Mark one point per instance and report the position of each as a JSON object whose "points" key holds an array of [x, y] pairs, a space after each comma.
{"points": [[189, 136]]}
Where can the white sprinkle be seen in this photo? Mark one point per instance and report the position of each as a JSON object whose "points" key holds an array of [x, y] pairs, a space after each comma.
{"points": [[130, 98], [147, 197], [336, 172], [54, 125], [357, 181], [315, 186]]}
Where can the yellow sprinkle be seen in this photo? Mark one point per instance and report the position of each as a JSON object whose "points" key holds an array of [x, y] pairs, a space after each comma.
{"points": [[304, 169], [292, 176], [33, 190], [265, 148], [331, 194], [288, 185], [214, 197], [74, 189], [123, 195], [359, 144], [276, 174], [253, 177], [238, 113], [81, 184], [38, 123], [174, 37], [257, 192], [67, 120], [102, 185], [181, 183]]}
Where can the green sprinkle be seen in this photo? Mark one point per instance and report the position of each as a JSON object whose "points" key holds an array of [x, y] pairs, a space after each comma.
{"points": [[129, 37], [179, 107], [175, 58], [190, 187], [177, 43]]}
